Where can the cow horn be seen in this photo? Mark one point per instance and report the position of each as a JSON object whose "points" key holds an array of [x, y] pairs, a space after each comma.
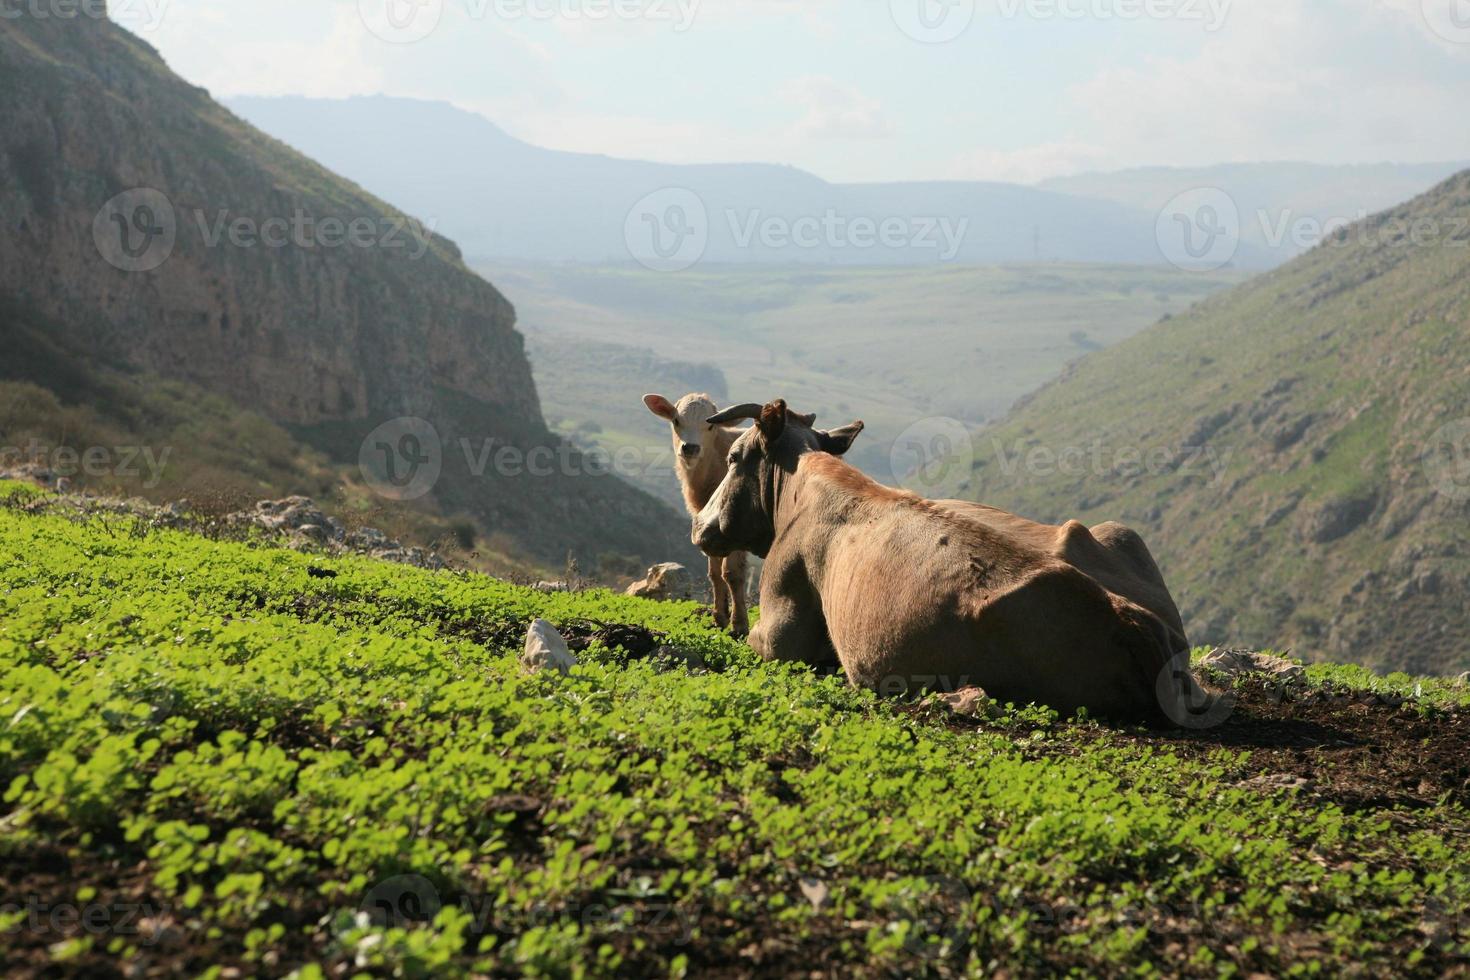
{"points": [[736, 414]]}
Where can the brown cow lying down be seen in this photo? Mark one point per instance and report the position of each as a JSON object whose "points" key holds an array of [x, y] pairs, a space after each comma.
{"points": [[910, 594]]}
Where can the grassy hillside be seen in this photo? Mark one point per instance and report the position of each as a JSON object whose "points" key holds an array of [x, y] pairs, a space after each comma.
{"points": [[227, 757], [1332, 394], [166, 440], [890, 346]]}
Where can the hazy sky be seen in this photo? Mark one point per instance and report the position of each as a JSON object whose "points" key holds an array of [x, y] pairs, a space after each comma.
{"points": [[858, 90]]}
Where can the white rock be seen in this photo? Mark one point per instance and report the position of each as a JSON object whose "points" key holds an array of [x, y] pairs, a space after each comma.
{"points": [[816, 892], [546, 649]]}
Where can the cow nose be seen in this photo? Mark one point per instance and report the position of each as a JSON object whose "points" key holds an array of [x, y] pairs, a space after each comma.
{"points": [[688, 450], [705, 536]]}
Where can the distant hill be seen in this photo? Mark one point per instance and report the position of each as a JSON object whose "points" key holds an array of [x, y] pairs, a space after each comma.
{"points": [[1297, 449], [149, 231], [503, 198], [1280, 204]]}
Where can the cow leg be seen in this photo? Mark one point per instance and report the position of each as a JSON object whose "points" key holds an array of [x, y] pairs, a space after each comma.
{"points": [[792, 627], [721, 592], [735, 580], [793, 635]]}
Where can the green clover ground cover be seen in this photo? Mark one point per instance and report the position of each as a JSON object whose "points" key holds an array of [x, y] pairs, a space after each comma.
{"points": [[289, 763]]}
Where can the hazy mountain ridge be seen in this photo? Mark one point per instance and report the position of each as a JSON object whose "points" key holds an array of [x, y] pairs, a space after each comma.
{"points": [[329, 337], [503, 198], [1289, 447], [500, 197]]}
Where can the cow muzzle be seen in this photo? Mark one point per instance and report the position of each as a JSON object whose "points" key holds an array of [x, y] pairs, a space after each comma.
{"points": [[707, 538]]}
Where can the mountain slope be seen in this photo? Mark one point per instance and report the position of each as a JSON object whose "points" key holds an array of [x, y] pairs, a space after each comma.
{"points": [[500, 197], [1296, 449], [171, 239]]}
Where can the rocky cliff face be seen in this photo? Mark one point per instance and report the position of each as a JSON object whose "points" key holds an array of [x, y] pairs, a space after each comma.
{"points": [[255, 292], [167, 237]]}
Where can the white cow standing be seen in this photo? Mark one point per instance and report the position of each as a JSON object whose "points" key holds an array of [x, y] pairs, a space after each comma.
{"points": [[701, 454]]}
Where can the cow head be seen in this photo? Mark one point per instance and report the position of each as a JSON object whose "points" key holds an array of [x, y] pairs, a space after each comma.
{"points": [[741, 516], [694, 437]]}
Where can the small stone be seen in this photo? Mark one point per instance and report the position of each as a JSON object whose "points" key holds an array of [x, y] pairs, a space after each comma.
{"points": [[968, 702], [546, 649], [666, 581], [816, 892]]}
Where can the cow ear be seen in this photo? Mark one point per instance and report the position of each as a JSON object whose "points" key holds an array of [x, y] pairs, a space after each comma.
{"points": [[773, 420], [661, 406], [839, 441], [806, 420]]}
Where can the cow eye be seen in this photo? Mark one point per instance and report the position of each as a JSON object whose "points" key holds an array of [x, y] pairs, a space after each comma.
{"points": [[734, 458]]}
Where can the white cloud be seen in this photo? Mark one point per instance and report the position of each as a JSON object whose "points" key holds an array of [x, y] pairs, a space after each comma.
{"points": [[1285, 80], [280, 51], [1293, 80], [834, 110]]}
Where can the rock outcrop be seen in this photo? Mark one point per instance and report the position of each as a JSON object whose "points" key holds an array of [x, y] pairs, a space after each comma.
{"points": [[301, 321], [167, 238]]}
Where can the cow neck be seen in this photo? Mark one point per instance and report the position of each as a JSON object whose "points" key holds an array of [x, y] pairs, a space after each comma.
{"points": [[805, 505]]}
